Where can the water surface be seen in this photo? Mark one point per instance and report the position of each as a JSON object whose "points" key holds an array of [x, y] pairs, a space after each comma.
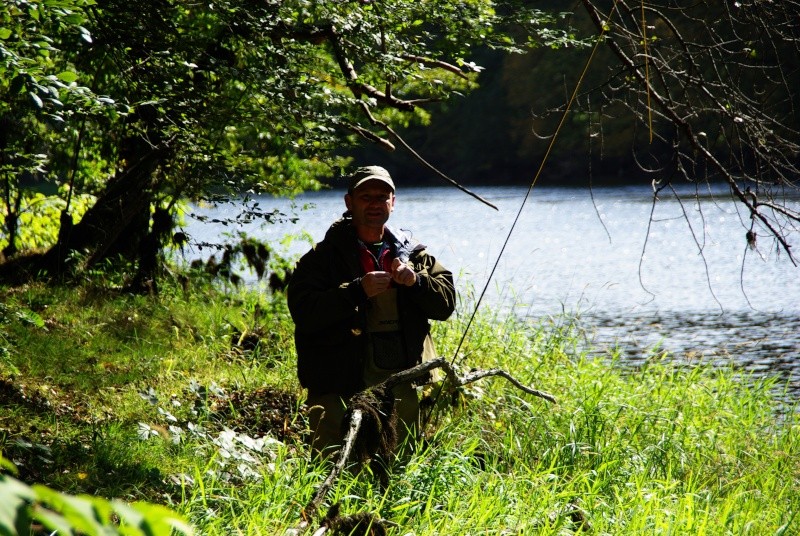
{"points": [[678, 274]]}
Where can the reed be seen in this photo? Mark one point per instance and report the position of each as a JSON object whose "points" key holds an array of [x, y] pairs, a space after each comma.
{"points": [[159, 399]]}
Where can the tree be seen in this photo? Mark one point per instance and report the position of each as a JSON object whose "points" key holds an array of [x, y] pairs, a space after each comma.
{"points": [[713, 89], [39, 103], [229, 96]]}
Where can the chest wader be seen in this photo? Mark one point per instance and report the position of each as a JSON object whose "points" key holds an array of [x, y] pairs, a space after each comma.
{"points": [[386, 350], [387, 354]]}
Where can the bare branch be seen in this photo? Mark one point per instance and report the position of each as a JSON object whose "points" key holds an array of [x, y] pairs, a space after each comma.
{"points": [[313, 505], [423, 369], [791, 214], [713, 78], [419, 372], [436, 63], [480, 374], [371, 136], [376, 121]]}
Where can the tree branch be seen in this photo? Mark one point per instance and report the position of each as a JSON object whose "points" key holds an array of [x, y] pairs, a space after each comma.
{"points": [[376, 121], [437, 64], [371, 136], [360, 89], [669, 110], [418, 372], [352, 432], [423, 369]]}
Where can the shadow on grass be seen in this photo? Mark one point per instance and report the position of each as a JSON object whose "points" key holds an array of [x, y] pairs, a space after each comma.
{"points": [[59, 445], [62, 447]]}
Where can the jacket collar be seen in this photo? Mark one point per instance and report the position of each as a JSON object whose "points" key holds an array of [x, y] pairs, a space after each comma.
{"points": [[342, 233]]}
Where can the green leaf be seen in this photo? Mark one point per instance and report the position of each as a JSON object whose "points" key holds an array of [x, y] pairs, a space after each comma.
{"points": [[67, 76], [77, 510], [36, 100], [85, 34], [5, 33], [129, 517], [16, 497], [74, 19], [30, 317], [6, 465], [152, 519], [52, 520], [17, 84]]}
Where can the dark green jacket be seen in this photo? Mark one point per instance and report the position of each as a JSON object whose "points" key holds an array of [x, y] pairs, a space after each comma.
{"points": [[327, 302]]}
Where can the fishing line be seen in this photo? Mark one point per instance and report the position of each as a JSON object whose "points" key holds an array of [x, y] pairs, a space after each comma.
{"points": [[570, 102], [549, 149]]}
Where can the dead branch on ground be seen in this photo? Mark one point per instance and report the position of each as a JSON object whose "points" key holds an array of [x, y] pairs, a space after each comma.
{"points": [[356, 419]]}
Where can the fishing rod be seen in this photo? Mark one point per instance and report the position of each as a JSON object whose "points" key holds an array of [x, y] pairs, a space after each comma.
{"points": [[538, 173]]}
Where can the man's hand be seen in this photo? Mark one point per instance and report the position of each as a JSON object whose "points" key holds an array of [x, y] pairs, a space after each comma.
{"points": [[376, 282], [402, 274]]}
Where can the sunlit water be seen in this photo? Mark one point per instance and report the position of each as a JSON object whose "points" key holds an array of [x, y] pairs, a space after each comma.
{"points": [[677, 275]]}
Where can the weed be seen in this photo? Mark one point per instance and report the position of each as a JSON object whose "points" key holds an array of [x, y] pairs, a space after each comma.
{"points": [[160, 398]]}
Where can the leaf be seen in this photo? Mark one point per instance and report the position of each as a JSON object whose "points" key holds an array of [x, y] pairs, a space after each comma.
{"points": [[85, 34], [5, 33], [128, 515], [36, 100], [144, 432], [30, 317], [13, 508], [52, 520], [17, 84], [67, 76], [6, 465], [73, 18], [78, 511], [152, 519]]}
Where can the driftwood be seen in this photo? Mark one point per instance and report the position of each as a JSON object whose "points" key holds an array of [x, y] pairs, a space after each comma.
{"points": [[423, 369], [356, 416]]}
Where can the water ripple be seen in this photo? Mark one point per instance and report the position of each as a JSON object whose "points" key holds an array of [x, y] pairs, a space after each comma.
{"points": [[763, 345]]}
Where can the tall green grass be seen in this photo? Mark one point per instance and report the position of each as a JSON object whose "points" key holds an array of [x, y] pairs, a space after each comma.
{"points": [[141, 397]]}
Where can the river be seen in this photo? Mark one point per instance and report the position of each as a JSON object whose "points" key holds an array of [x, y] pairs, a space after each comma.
{"points": [[678, 274]]}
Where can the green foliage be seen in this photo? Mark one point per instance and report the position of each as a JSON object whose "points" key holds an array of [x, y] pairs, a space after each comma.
{"points": [[22, 506], [42, 103], [35, 74], [39, 219], [194, 99], [158, 399]]}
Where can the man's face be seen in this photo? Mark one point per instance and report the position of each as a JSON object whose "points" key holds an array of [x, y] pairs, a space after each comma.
{"points": [[370, 204]]}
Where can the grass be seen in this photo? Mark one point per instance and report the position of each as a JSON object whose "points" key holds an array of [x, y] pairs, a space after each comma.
{"points": [[171, 400]]}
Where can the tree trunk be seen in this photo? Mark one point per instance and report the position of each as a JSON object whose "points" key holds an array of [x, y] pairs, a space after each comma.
{"points": [[115, 225]]}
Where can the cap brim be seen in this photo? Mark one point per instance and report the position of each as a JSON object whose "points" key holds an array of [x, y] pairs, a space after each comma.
{"points": [[384, 180]]}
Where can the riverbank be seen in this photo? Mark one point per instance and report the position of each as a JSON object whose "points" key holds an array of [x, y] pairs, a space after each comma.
{"points": [[189, 399]]}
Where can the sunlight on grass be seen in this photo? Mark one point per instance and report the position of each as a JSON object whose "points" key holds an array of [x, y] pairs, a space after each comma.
{"points": [[190, 399]]}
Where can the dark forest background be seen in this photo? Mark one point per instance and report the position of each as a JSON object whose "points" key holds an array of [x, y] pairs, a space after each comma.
{"points": [[500, 132]]}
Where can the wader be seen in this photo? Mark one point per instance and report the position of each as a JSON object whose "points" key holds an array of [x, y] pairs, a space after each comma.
{"points": [[386, 355]]}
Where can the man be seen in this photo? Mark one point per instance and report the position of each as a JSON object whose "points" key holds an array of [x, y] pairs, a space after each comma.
{"points": [[361, 301]]}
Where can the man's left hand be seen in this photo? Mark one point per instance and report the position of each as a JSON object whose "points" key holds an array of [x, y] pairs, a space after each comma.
{"points": [[402, 274]]}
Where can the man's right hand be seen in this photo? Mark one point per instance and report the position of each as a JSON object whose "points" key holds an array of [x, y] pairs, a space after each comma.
{"points": [[376, 282]]}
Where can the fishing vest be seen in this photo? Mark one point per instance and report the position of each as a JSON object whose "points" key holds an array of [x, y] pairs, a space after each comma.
{"points": [[385, 348]]}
